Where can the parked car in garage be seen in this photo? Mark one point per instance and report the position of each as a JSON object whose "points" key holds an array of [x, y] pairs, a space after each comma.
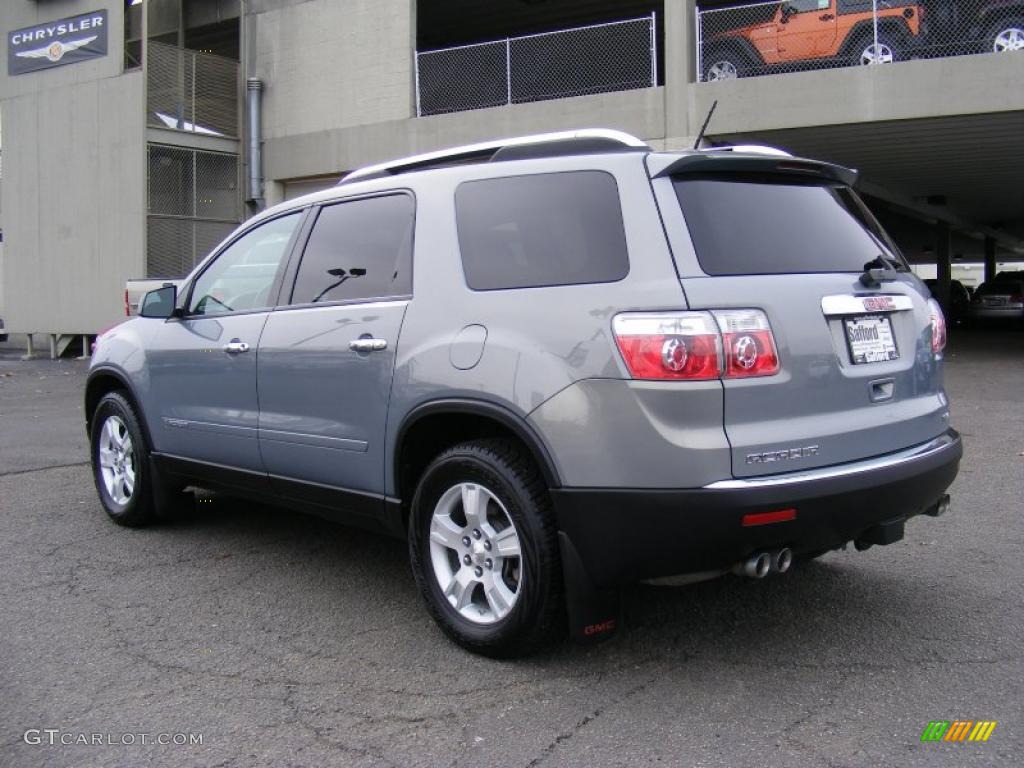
{"points": [[999, 299], [810, 32], [954, 27], [555, 366], [959, 299]]}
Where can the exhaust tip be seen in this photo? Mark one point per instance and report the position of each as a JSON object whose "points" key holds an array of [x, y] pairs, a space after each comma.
{"points": [[941, 508], [757, 566], [782, 559]]}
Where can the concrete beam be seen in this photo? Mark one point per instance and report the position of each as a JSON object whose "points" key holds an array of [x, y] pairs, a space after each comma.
{"points": [[901, 91]]}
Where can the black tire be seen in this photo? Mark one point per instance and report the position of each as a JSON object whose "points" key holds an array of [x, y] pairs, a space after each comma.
{"points": [[719, 61], [1001, 27], [507, 471], [138, 509], [891, 41], [151, 497]]}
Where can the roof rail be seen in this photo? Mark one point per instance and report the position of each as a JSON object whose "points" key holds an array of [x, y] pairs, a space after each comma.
{"points": [[583, 141]]}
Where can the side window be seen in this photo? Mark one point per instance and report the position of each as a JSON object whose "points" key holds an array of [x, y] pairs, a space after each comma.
{"points": [[805, 6], [541, 230], [361, 249], [240, 277]]}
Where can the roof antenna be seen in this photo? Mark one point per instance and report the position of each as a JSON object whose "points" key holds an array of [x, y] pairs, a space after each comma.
{"points": [[696, 144]]}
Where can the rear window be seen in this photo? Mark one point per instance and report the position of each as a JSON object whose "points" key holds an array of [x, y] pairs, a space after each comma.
{"points": [[744, 226], [1000, 288], [541, 230]]}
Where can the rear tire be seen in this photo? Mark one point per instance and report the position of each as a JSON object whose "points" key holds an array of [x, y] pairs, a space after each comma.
{"points": [[484, 551], [889, 49]]}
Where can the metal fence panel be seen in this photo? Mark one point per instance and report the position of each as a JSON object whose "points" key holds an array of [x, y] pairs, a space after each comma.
{"points": [[775, 37], [192, 91], [618, 56], [194, 201]]}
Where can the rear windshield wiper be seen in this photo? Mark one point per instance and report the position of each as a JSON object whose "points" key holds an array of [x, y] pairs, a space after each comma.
{"points": [[880, 269]]}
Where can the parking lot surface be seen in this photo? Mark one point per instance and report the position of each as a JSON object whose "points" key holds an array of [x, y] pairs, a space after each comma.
{"points": [[284, 640]]}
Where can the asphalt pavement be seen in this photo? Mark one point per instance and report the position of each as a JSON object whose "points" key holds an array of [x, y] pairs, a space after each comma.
{"points": [[284, 640]]}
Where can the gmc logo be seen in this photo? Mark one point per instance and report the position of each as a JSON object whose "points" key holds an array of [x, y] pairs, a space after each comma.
{"points": [[604, 626]]}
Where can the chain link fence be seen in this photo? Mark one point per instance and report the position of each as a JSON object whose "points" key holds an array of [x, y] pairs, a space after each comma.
{"points": [[769, 38], [192, 91], [194, 202], [617, 56]]}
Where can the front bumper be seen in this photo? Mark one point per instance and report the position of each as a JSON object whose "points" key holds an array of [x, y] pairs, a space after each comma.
{"points": [[625, 535]]}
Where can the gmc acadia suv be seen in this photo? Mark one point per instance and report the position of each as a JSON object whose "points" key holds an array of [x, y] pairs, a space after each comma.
{"points": [[555, 365]]}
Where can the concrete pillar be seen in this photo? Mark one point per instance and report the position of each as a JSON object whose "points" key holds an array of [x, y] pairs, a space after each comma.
{"points": [[53, 346], [30, 346], [990, 258], [680, 69], [943, 264]]}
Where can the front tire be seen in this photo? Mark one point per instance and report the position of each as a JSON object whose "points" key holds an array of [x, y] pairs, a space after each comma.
{"points": [[484, 551], [120, 462], [1007, 35]]}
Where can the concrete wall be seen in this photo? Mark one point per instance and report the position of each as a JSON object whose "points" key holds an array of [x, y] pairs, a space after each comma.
{"points": [[329, 64], [74, 187]]}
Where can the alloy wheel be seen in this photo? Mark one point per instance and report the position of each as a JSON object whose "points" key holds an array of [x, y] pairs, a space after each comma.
{"points": [[877, 53], [1009, 39], [117, 460], [475, 553], [722, 70]]}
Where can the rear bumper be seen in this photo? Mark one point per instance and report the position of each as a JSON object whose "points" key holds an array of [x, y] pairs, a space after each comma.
{"points": [[624, 535], [996, 313]]}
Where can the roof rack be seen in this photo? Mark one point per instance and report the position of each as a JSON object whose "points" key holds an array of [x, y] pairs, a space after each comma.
{"points": [[583, 141]]}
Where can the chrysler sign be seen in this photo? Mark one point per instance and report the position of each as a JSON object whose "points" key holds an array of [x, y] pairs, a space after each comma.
{"points": [[65, 41]]}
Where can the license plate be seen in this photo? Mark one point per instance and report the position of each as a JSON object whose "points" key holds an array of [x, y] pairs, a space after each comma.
{"points": [[870, 339]]}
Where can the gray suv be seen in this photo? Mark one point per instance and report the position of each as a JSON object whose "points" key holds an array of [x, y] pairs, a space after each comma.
{"points": [[554, 365]]}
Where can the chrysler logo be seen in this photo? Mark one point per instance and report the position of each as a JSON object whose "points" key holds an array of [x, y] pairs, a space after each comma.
{"points": [[55, 51]]}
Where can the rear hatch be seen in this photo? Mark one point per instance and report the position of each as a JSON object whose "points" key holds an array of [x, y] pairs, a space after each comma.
{"points": [[1000, 294], [858, 377]]}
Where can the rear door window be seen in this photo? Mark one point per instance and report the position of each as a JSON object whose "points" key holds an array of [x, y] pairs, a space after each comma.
{"points": [[744, 226], [358, 250], [541, 230]]}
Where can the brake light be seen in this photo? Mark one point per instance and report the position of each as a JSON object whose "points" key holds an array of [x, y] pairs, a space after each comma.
{"points": [[748, 343], [127, 306], [938, 323], [670, 345], [696, 346]]}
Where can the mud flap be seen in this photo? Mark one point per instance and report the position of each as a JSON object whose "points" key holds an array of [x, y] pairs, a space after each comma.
{"points": [[169, 500], [594, 614]]}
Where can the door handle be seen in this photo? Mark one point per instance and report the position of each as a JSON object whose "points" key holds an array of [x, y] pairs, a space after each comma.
{"points": [[367, 345], [826, 17], [235, 347]]}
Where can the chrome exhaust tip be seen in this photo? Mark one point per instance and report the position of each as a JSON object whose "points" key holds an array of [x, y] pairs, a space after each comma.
{"points": [[756, 566], [782, 559]]}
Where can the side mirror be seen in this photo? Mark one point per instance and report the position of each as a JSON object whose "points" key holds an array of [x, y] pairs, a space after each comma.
{"points": [[160, 303]]}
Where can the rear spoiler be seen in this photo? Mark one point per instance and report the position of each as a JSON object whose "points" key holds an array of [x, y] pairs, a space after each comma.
{"points": [[712, 162]]}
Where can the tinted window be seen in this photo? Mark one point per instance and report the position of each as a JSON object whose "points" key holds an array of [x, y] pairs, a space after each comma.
{"points": [[1000, 288], [240, 278], [358, 250], [758, 227], [548, 229]]}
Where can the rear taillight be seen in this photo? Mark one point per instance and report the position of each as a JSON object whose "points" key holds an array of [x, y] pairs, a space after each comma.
{"points": [[938, 323], [127, 306], [670, 345], [748, 343], [696, 346]]}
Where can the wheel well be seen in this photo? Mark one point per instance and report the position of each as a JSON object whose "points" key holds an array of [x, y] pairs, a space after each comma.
{"points": [[734, 45], [98, 386], [434, 433], [864, 31]]}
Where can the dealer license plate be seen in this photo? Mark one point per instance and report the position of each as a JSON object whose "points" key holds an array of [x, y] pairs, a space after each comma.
{"points": [[870, 339]]}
